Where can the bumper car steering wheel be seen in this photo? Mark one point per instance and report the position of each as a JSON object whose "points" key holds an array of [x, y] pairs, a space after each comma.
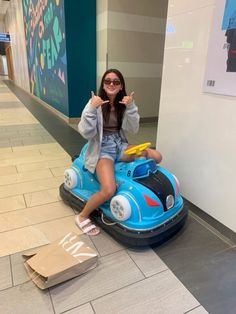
{"points": [[137, 149]]}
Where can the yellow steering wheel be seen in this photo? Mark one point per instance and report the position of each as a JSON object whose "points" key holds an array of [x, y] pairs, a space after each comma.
{"points": [[137, 149]]}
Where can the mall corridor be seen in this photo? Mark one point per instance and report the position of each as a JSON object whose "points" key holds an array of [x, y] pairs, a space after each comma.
{"points": [[194, 272]]}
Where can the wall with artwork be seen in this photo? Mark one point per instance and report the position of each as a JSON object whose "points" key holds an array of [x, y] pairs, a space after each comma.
{"points": [[58, 53], [197, 130], [46, 51]]}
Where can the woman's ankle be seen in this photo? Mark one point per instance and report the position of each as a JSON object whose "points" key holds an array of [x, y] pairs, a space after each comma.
{"points": [[82, 217]]}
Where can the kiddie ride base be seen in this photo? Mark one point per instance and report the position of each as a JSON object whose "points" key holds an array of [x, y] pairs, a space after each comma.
{"points": [[147, 207]]}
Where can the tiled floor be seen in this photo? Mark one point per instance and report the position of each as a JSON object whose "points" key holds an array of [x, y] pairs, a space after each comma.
{"points": [[125, 281], [31, 169]]}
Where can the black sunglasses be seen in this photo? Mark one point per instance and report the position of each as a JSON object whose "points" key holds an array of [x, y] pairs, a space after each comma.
{"points": [[115, 82]]}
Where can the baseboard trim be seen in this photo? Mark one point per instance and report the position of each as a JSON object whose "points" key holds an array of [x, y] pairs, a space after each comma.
{"points": [[212, 222], [44, 104], [74, 120]]}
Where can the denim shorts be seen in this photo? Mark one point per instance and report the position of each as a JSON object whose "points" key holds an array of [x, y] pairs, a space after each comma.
{"points": [[112, 147]]}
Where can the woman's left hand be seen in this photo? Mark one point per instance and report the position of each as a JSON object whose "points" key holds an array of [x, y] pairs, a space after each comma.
{"points": [[127, 99]]}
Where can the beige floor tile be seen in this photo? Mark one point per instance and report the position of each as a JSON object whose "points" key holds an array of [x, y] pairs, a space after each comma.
{"points": [[32, 147], [25, 299], [20, 240], [15, 142], [21, 116], [49, 231], [52, 150], [9, 96], [29, 187], [4, 150], [105, 244], [35, 140], [83, 309], [64, 162], [31, 159], [25, 177], [33, 215], [54, 153], [147, 261], [33, 236], [7, 170], [55, 229], [114, 271], [20, 155], [42, 197], [12, 203], [198, 310], [5, 143], [159, 294], [19, 274], [5, 273], [59, 171], [9, 134]]}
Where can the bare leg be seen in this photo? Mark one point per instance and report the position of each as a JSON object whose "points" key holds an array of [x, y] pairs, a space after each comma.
{"points": [[154, 154], [148, 152], [105, 174]]}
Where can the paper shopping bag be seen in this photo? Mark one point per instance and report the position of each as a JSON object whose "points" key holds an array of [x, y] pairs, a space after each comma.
{"points": [[59, 261]]}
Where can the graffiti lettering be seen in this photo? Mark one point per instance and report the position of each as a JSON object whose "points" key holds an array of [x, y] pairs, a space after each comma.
{"points": [[48, 16], [51, 46], [57, 33], [41, 29], [45, 43], [36, 12], [25, 4]]}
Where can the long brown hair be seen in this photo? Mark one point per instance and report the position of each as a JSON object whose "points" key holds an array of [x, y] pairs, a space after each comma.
{"points": [[119, 108]]}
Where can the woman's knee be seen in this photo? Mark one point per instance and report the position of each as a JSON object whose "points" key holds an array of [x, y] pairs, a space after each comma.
{"points": [[154, 154], [108, 191], [158, 156]]}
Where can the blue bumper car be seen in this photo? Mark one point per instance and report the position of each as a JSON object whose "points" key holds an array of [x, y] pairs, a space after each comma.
{"points": [[147, 208]]}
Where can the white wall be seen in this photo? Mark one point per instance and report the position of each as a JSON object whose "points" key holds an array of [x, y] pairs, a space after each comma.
{"points": [[102, 25], [2, 26], [130, 37], [196, 130], [3, 65], [15, 26]]}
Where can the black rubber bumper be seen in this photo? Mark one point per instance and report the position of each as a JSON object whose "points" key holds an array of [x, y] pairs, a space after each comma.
{"points": [[126, 236]]}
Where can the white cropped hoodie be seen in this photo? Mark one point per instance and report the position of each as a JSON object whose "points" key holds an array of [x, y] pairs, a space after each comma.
{"points": [[91, 128]]}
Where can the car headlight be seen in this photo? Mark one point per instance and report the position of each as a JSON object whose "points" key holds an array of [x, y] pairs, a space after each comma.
{"points": [[120, 207], [70, 178], [170, 201]]}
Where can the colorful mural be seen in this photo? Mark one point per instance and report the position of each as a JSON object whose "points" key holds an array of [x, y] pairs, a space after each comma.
{"points": [[46, 51]]}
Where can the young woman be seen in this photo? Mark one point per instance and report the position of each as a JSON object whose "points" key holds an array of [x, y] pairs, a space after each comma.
{"points": [[102, 123]]}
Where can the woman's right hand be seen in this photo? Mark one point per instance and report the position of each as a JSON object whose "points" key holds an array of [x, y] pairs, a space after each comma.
{"points": [[97, 101]]}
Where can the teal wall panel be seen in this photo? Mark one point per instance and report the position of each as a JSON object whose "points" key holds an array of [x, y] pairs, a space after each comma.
{"points": [[80, 19]]}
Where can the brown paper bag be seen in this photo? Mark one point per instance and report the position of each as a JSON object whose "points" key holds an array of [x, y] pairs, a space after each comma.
{"points": [[59, 261]]}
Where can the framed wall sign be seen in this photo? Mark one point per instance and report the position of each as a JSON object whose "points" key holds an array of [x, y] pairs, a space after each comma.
{"points": [[220, 73]]}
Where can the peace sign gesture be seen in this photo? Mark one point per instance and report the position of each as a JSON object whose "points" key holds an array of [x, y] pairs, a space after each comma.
{"points": [[127, 99], [97, 101]]}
